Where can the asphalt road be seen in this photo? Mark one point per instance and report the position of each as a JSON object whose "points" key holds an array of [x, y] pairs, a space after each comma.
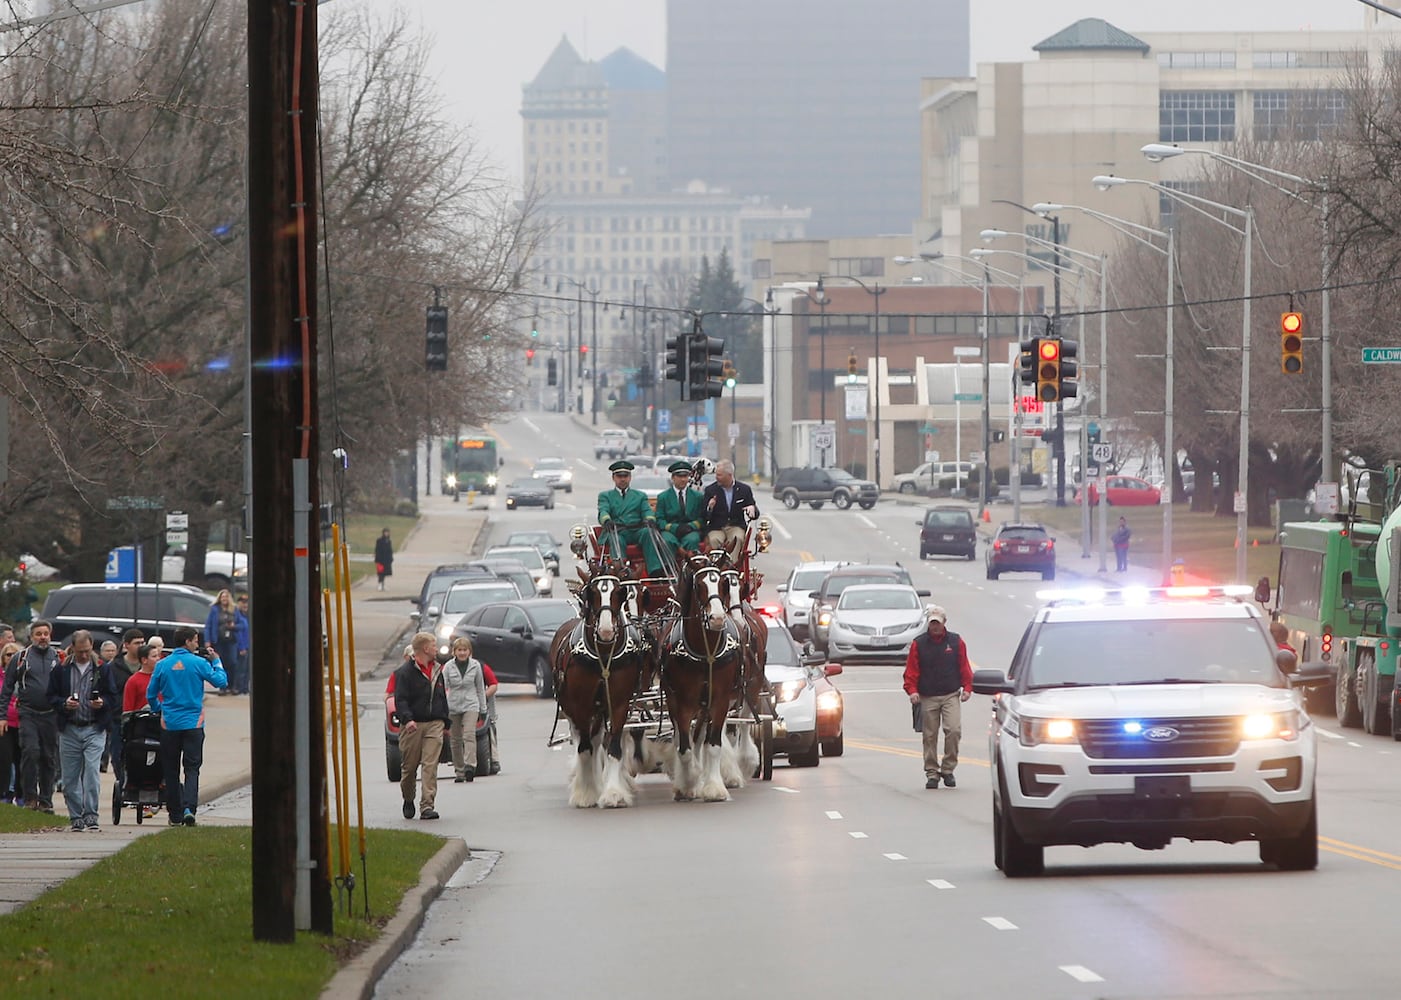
{"points": [[850, 879]]}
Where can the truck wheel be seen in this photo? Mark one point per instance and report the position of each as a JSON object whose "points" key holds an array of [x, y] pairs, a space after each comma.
{"points": [[842, 501], [1368, 696], [790, 500], [1345, 703], [907, 488]]}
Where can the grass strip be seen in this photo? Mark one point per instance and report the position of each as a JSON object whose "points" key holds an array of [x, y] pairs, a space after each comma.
{"points": [[172, 912]]}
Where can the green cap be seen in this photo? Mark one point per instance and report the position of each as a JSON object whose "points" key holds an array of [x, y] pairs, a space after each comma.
{"points": [[679, 468], [621, 465]]}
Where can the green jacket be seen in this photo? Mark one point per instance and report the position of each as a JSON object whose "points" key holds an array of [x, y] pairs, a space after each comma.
{"points": [[628, 509], [671, 518]]}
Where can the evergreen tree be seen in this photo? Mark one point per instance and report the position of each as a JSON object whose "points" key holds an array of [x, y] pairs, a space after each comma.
{"points": [[727, 314]]}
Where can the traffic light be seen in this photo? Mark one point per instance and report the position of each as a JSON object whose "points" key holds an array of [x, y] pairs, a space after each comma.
{"points": [[1067, 387], [1291, 343], [530, 357], [706, 367], [678, 356], [583, 353], [731, 376], [436, 354], [1047, 369], [1027, 361], [551, 372], [851, 368]]}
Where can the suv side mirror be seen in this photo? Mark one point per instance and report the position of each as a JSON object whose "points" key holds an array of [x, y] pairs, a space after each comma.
{"points": [[782, 588], [991, 682], [922, 593], [1262, 588]]}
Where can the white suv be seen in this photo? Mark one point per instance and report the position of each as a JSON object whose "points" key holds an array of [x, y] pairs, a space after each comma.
{"points": [[1137, 716], [795, 594]]}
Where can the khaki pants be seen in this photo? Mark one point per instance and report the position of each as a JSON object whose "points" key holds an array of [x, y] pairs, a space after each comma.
{"points": [[944, 710], [731, 537], [463, 739], [419, 749]]}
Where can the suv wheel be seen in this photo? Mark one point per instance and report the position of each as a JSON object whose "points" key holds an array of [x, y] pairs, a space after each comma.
{"points": [[992, 573], [907, 487], [1294, 854], [866, 504], [816, 504], [1019, 858], [790, 499], [842, 500]]}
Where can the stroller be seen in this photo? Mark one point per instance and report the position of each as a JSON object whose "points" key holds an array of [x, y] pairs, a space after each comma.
{"points": [[143, 786]]}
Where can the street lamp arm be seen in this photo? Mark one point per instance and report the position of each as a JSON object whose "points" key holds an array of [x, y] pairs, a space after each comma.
{"points": [[987, 235], [1193, 201], [1123, 226], [1159, 151]]}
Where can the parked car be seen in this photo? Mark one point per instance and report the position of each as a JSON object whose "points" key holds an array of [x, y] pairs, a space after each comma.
{"points": [[815, 487], [222, 570], [461, 598], [795, 594], [556, 472], [530, 493], [651, 484], [1022, 548], [933, 477], [875, 623], [534, 561], [948, 531], [615, 442], [514, 637], [545, 542], [824, 598], [1125, 491], [109, 609], [1140, 721], [808, 705], [435, 588]]}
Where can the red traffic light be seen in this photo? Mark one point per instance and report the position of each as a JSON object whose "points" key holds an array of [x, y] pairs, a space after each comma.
{"points": [[1050, 350], [1291, 322], [530, 354], [583, 348]]}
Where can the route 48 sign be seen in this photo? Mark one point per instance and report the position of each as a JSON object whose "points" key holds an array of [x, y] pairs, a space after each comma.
{"points": [[1101, 453]]}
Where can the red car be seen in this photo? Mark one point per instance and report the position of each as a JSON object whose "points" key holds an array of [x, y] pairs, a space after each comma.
{"points": [[1126, 491]]}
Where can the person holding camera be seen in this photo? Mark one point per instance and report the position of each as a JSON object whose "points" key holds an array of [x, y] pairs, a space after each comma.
{"points": [[81, 712], [176, 693]]}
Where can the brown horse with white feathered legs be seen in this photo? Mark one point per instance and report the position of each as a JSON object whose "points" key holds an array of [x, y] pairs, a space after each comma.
{"points": [[598, 660]]}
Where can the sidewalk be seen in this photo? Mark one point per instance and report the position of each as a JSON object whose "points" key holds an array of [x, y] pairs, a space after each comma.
{"points": [[32, 863]]}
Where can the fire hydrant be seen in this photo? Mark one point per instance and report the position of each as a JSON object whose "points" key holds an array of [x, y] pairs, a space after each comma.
{"points": [[1178, 573]]}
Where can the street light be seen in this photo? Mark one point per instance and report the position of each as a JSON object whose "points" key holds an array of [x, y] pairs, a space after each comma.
{"points": [[1247, 216], [875, 291], [1127, 228], [822, 302], [1159, 151]]}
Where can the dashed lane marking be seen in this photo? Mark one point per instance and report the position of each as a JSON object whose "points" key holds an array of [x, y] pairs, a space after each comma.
{"points": [[833, 814], [939, 883], [1081, 973], [531, 424], [866, 520], [1000, 923], [856, 835], [787, 535], [896, 857], [781, 788]]}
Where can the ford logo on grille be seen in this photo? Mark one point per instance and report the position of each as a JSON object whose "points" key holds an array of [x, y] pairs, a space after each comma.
{"points": [[1161, 734]]}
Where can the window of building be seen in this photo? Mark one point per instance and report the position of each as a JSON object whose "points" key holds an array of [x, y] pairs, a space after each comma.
{"points": [[861, 267], [1196, 116], [1197, 60], [762, 268], [1168, 206], [1309, 115], [1308, 59]]}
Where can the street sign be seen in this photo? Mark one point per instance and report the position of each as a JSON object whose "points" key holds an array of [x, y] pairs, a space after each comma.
{"points": [[734, 432], [136, 503], [178, 520], [1325, 498], [1381, 355], [173, 538], [823, 437], [663, 421], [1238, 505], [931, 456], [968, 352], [968, 397], [1102, 452]]}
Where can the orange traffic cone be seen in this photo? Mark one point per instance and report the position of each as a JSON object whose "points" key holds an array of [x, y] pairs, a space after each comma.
{"points": [[987, 516], [1255, 543]]}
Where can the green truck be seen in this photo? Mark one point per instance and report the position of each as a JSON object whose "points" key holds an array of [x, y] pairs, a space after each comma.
{"points": [[1337, 596]]}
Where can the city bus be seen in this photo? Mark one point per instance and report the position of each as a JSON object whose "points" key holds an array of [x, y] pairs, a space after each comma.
{"points": [[470, 461]]}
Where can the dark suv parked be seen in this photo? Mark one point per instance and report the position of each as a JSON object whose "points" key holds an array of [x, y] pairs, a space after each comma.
{"points": [[948, 531], [1022, 548], [106, 609], [815, 487]]}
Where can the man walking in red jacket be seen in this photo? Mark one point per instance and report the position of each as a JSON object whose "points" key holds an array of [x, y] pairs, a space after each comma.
{"points": [[939, 679]]}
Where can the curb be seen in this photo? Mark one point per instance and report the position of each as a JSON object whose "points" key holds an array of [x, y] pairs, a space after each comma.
{"points": [[359, 977]]}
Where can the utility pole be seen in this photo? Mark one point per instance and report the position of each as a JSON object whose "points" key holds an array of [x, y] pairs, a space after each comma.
{"points": [[289, 862]]}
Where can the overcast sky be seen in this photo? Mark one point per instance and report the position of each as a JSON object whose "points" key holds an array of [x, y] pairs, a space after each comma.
{"points": [[481, 62]]}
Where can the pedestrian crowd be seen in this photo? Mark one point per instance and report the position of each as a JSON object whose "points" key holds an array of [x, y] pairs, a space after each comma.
{"points": [[63, 712]]}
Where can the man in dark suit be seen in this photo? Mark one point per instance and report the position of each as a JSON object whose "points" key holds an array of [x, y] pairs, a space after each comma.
{"points": [[729, 507]]}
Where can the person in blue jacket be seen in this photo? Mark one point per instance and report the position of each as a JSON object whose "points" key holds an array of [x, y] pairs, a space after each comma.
{"points": [[226, 629], [176, 693]]}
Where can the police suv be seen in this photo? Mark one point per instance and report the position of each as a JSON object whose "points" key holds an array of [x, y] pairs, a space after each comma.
{"points": [[1136, 716]]}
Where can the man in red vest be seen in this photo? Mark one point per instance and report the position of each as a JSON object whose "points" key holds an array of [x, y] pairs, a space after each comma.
{"points": [[939, 679]]}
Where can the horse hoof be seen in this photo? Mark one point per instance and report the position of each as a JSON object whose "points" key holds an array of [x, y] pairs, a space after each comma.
{"points": [[715, 793]]}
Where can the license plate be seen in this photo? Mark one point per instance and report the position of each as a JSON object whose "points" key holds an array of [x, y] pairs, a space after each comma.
{"points": [[1162, 786], [880, 640], [947, 538], [1023, 549]]}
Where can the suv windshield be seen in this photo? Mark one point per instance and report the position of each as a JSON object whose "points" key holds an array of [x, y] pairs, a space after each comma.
{"points": [[878, 600], [782, 650], [948, 518], [1158, 651], [807, 579], [460, 600], [841, 476]]}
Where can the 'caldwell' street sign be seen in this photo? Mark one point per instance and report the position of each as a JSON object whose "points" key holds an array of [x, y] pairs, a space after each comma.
{"points": [[1381, 355]]}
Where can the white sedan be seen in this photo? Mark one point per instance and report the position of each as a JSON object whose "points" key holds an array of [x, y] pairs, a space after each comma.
{"points": [[875, 622]]}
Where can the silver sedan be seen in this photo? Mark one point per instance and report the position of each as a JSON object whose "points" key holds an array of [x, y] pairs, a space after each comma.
{"points": [[875, 622]]}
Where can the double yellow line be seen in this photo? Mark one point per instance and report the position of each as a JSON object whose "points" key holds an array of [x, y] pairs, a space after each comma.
{"points": [[1342, 848]]}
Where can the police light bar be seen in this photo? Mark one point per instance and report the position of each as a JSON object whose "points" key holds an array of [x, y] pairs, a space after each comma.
{"points": [[1139, 595]]}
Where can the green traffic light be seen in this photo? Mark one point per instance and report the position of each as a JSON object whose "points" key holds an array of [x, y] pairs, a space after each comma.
{"points": [[729, 383]]}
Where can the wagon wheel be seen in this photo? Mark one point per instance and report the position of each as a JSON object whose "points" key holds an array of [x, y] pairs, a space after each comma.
{"points": [[766, 751]]}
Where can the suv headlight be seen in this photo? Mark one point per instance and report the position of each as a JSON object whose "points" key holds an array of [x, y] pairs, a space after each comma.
{"points": [[789, 690], [1034, 732], [824, 616], [1270, 726]]}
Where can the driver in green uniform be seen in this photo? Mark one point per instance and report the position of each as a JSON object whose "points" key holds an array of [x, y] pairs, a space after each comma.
{"points": [[680, 512], [629, 510]]}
